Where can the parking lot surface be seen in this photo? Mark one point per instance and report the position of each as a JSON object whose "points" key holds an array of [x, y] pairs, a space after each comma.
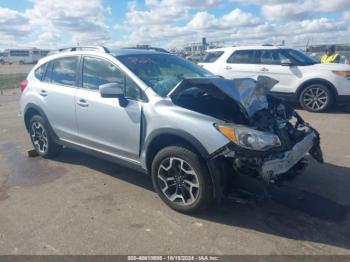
{"points": [[77, 204]]}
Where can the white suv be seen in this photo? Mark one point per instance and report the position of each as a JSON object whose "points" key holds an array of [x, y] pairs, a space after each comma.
{"points": [[315, 86]]}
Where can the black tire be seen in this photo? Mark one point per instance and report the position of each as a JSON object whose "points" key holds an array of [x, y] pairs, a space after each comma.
{"points": [[316, 98], [38, 125], [203, 194]]}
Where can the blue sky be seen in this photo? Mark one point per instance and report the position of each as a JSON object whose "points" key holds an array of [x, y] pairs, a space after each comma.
{"points": [[172, 23]]}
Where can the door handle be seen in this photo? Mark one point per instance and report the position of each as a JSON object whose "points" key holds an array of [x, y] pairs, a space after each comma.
{"points": [[264, 69], [43, 93], [83, 103], [228, 68]]}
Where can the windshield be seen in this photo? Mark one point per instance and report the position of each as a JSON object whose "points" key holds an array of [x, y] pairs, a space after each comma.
{"points": [[162, 72], [299, 57]]}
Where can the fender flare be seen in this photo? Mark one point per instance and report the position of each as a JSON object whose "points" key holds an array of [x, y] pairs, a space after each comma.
{"points": [[179, 133], [318, 80], [30, 106]]}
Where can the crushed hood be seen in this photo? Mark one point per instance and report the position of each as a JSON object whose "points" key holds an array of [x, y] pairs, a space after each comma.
{"points": [[249, 93]]}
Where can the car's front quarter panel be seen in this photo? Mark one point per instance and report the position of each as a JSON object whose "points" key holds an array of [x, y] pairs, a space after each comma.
{"points": [[341, 84], [162, 115]]}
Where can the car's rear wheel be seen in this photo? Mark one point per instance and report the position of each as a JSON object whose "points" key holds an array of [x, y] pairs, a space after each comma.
{"points": [[316, 98], [42, 139], [181, 179]]}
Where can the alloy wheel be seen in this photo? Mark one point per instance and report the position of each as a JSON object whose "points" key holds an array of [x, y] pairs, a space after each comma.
{"points": [[39, 137], [315, 98], [178, 181]]}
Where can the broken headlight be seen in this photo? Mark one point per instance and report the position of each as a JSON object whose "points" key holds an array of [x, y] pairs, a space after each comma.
{"points": [[249, 138]]}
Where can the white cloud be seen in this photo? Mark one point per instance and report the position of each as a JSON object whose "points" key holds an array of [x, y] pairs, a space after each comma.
{"points": [[159, 23], [297, 9], [302, 9], [286, 11], [235, 18], [13, 25], [185, 3], [168, 23], [159, 15], [83, 21], [346, 15]]}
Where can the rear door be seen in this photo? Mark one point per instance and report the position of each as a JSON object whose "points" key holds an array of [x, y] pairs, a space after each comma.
{"points": [[270, 64], [57, 92], [210, 63], [103, 123], [241, 63]]}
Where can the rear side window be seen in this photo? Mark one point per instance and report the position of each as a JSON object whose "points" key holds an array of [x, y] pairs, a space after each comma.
{"points": [[39, 72], [211, 57], [47, 76], [64, 71], [242, 57]]}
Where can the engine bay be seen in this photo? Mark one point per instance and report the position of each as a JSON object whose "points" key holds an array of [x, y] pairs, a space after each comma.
{"points": [[258, 110]]}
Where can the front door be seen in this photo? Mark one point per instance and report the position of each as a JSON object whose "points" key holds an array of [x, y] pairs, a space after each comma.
{"points": [[103, 123], [270, 64]]}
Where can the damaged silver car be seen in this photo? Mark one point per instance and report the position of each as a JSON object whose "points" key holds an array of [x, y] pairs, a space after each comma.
{"points": [[160, 114]]}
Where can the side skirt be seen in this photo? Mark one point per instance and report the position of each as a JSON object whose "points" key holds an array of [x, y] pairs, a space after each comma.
{"points": [[123, 161]]}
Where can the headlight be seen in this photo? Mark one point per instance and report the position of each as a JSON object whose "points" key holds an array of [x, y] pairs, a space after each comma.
{"points": [[343, 73], [249, 138]]}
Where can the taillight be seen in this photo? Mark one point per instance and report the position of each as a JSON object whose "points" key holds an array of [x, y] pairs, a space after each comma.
{"points": [[23, 85]]}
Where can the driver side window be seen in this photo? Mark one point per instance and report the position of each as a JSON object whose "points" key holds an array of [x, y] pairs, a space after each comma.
{"points": [[97, 71], [271, 57]]}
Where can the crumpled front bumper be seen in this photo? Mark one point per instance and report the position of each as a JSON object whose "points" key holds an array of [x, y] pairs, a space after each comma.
{"points": [[287, 160]]}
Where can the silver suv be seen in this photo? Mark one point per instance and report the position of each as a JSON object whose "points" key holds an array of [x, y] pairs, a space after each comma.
{"points": [[192, 131]]}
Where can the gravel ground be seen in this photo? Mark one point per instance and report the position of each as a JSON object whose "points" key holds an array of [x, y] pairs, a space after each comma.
{"points": [[15, 69], [76, 204]]}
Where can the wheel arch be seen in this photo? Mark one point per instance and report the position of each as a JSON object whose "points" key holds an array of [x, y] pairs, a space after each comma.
{"points": [[312, 81], [164, 137], [32, 110]]}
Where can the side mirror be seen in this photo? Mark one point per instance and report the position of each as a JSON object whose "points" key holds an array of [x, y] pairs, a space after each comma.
{"points": [[111, 90], [286, 62]]}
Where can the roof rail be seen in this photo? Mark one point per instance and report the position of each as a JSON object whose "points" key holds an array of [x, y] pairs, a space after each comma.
{"points": [[81, 48], [158, 49]]}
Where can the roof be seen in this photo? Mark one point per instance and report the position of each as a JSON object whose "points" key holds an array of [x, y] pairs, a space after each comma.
{"points": [[102, 49], [112, 52], [133, 51], [246, 48]]}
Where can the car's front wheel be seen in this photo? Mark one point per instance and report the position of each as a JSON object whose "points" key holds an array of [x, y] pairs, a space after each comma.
{"points": [[42, 139], [181, 179], [316, 98]]}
